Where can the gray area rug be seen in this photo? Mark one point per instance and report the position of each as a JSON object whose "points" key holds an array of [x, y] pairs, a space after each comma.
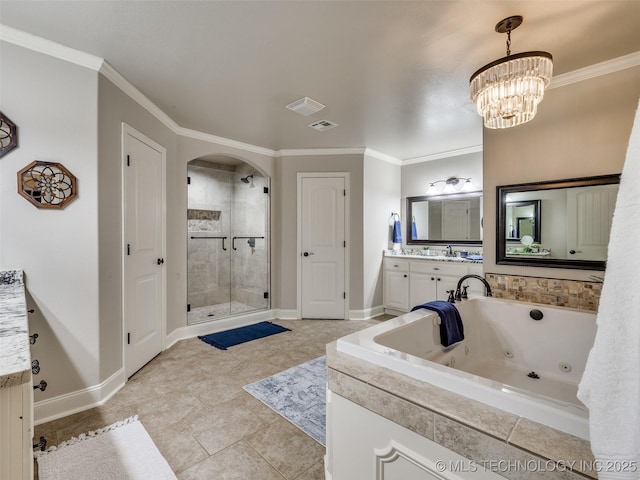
{"points": [[299, 395]]}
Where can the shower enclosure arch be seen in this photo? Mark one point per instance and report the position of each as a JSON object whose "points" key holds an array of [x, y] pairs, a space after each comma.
{"points": [[228, 267]]}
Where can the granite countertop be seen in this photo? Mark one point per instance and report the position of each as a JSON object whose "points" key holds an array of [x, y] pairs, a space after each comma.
{"points": [[15, 355], [432, 258]]}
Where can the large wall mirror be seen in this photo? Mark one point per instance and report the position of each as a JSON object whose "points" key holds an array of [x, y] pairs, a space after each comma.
{"points": [[564, 223], [455, 218]]}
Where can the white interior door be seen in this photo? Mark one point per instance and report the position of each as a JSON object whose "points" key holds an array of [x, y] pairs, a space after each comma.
{"points": [[143, 294], [589, 215], [455, 220], [323, 244]]}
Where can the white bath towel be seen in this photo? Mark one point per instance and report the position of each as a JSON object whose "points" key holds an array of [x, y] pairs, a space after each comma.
{"points": [[610, 386]]}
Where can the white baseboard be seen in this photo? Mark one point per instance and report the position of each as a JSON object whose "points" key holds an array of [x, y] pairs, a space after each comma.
{"points": [[213, 326], [289, 314], [366, 314], [57, 407]]}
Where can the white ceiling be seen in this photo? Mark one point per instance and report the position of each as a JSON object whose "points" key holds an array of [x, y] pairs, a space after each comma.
{"points": [[393, 74]]}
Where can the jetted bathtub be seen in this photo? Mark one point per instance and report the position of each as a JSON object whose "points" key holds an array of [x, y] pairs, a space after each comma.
{"points": [[508, 359]]}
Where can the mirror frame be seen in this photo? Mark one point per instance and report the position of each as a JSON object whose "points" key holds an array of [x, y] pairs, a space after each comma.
{"points": [[501, 210], [536, 215], [448, 196]]}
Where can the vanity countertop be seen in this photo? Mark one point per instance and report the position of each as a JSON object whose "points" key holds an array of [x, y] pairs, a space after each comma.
{"points": [[15, 355], [431, 258]]}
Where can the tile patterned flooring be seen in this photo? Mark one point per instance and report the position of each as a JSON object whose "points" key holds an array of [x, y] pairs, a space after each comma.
{"points": [[190, 400]]}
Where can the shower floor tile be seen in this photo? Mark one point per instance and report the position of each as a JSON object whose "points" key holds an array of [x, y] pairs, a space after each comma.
{"points": [[221, 310]]}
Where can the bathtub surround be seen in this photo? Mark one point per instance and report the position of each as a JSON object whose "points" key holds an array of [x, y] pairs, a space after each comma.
{"points": [[613, 394], [583, 295], [299, 395], [478, 432]]}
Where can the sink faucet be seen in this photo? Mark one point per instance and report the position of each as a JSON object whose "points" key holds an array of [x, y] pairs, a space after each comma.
{"points": [[487, 287], [449, 251]]}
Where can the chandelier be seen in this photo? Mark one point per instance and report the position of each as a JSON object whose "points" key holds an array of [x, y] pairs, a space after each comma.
{"points": [[507, 91]]}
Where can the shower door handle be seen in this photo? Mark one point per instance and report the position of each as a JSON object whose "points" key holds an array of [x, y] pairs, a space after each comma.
{"points": [[223, 239]]}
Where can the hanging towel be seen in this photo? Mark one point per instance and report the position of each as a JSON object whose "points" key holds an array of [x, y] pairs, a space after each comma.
{"points": [[610, 385], [397, 232], [414, 229], [451, 328]]}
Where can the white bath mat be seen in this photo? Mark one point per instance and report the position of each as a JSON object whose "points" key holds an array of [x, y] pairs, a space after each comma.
{"points": [[123, 450]]}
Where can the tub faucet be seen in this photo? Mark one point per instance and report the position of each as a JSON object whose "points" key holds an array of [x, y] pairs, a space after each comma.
{"points": [[487, 287]]}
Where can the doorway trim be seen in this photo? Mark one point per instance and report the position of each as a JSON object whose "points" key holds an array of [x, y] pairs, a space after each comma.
{"points": [[347, 235], [128, 130]]}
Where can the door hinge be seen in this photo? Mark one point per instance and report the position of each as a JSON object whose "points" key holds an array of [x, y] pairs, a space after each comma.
{"points": [[128, 338], [344, 243], [188, 307], [344, 295], [265, 190], [266, 294], [344, 192], [188, 180], [128, 249], [128, 161]]}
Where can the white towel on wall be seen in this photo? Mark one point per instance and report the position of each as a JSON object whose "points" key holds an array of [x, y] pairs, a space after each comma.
{"points": [[610, 386]]}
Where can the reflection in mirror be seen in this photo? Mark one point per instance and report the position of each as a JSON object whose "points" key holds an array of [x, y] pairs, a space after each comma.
{"points": [[522, 218], [569, 224], [455, 218]]}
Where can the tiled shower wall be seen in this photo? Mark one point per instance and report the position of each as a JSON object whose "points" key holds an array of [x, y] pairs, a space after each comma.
{"points": [[549, 291], [221, 205]]}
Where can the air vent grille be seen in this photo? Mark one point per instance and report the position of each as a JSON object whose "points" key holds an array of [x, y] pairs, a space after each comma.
{"points": [[322, 125], [305, 106]]}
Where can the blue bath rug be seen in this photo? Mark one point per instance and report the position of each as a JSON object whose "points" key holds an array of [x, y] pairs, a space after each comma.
{"points": [[235, 336], [299, 395]]}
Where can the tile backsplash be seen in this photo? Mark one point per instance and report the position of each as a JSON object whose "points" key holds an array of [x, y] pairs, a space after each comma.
{"points": [[550, 291]]}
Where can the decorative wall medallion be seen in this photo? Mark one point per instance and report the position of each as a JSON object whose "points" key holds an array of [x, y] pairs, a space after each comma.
{"points": [[47, 184], [8, 135]]}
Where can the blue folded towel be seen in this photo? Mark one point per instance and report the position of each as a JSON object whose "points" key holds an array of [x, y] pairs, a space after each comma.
{"points": [[397, 232], [414, 230], [451, 328], [474, 257]]}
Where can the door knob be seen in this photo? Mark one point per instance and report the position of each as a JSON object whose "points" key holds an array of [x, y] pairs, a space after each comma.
{"points": [[160, 261], [306, 254]]}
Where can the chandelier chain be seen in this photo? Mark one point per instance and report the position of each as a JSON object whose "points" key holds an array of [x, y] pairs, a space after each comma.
{"points": [[508, 42]]}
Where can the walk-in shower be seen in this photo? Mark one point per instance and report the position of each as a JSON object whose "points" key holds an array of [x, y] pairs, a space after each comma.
{"points": [[227, 244]]}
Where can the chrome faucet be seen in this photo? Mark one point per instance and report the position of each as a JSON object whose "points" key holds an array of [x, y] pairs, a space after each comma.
{"points": [[449, 251], [487, 287]]}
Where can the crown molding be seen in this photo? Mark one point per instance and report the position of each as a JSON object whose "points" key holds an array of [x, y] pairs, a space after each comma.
{"points": [[136, 95], [382, 156], [207, 137], [447, 154], [596, 70], [47, 47], [302, 152]]}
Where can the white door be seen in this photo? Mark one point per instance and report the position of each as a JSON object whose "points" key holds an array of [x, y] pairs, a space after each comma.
{"points": [[455, 220], [323, 242], [589, 215], [143, 283]]}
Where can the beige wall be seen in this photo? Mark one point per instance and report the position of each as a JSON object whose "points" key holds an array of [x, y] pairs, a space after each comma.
{"points": [[114, 108], [580, 130], [287, 230], [54, 105], [381, 190]]}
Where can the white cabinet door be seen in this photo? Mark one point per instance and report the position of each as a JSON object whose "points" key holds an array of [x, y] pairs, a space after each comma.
{"points": [[422, 289], [444, 284], [396, 290]]}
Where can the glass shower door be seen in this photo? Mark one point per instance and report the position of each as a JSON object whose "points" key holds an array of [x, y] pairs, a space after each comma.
{"points": [[250, 244]]}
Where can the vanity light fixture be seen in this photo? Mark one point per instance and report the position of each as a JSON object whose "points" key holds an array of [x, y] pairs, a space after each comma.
{"points": [[452, 183], [507, 91]]}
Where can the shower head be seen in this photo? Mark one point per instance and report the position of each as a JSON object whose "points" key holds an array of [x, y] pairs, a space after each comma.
{"points": [[246, 179]]}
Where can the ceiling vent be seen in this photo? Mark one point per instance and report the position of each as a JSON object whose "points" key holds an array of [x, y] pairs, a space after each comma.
{"points": [[322, 125], [305, 106]]}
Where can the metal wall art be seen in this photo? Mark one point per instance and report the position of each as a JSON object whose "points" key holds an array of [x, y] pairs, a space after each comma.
{"points": [[8, 135], [47, 184]]}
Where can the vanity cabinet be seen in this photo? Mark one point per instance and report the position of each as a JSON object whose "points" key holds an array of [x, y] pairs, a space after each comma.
{"points": [[408, 283], [16, 434]]}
